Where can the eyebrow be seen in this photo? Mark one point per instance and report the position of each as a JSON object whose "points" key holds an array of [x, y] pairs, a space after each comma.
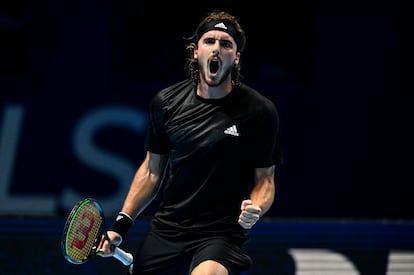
{"points": [[220, 40]]}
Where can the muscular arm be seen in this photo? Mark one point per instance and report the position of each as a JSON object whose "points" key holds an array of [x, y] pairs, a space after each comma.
{"points": [[263, 192], [145, 184], [143, 189], [261, 197]]}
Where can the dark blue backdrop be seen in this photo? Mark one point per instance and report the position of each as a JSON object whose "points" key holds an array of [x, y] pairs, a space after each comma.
{"points": [[76, 78]]}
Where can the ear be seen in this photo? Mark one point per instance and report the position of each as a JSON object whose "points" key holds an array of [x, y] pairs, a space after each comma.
{"points": [[237, 59], [195, 54]]}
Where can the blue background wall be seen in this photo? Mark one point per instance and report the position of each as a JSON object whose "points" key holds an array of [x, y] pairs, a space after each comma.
{"points": [[32, 246], [76, 78]]}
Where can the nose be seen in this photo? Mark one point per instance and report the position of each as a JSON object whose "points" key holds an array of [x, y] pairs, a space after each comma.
{"points": [[216, 52]]}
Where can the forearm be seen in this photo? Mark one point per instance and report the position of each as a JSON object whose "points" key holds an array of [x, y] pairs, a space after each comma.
{"points": [[263, 192], [143, 189]]}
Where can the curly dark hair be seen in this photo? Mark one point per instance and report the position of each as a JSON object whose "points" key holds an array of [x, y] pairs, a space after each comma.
{"points": [[216, 15]]}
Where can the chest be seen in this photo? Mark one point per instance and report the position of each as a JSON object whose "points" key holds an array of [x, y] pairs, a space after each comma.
{"points": [[218, 128]]}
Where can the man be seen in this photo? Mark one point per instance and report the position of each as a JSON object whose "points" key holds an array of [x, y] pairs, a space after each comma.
{"points": [[212, 145]]}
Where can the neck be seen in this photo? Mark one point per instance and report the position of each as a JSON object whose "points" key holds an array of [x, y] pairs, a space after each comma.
{"points": [[206, 91]]}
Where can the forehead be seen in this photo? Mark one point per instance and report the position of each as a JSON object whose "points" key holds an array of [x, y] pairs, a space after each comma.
{"points": [[219, 35]]}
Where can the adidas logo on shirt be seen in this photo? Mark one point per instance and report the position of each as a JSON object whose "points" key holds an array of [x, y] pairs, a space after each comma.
{"points": [[232, 130]]}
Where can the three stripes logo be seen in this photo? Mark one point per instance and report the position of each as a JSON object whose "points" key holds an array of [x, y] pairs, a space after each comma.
{"points": [[220, 25], [232, 130]]}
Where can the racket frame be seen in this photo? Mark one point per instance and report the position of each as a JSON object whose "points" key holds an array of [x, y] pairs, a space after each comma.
{"points": [[124, 257]]}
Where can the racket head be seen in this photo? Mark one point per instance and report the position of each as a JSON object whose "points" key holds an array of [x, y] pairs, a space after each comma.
{"points": [[82, 231]]}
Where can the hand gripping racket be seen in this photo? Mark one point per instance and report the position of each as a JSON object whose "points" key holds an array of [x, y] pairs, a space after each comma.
{"points": [[82, 233]]}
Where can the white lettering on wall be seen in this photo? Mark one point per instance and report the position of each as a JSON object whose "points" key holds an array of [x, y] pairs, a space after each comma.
{"points": [[400, 263], [103, 160], [10, 130], [321, 262]]}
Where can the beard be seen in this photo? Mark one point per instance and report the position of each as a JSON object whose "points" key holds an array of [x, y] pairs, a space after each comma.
{"points": [[215, 80]]}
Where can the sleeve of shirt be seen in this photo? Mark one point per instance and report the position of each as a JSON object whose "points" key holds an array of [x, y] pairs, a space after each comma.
{"points": [[269, 142], [156, 138]]}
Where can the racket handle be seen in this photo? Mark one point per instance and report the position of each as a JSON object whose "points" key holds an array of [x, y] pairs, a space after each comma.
{"points": [[125, 257]]}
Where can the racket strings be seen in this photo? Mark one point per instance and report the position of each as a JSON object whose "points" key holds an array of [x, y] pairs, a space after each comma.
{"points": [[83, 233]]}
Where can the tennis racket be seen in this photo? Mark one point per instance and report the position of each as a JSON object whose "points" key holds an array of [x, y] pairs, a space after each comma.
{"points": [[82, 233]]}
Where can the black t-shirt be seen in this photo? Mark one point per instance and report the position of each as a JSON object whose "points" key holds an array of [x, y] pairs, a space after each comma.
{"points": [[213, 147]]}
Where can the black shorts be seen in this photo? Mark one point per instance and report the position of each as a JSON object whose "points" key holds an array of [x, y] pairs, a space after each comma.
{"points": [[179, 255]]}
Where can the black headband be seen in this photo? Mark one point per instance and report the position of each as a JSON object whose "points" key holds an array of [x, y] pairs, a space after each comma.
{"points": [[220, 26]]}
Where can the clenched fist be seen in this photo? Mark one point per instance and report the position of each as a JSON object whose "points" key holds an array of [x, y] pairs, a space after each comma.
{"points": [[249, 215]]}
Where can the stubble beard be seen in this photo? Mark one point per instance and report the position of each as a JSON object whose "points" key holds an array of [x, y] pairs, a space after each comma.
{"points": [[215, 81]]}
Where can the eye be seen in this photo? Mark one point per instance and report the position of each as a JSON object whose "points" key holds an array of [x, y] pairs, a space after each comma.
{"points": [[210, 40], [226, 44]]}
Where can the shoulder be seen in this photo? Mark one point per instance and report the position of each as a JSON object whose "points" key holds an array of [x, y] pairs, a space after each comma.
{"points": [[171, 96], [255, 98], [175, 89], [263, 110]]}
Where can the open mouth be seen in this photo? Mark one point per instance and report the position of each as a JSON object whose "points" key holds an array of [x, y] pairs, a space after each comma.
{"points": [[214, 66]]}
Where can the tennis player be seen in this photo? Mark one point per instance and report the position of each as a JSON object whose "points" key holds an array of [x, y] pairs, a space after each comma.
{"points": [[212, 147]]}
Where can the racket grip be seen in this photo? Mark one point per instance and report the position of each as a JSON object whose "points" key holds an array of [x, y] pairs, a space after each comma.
{"points": [[125, 257]]}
